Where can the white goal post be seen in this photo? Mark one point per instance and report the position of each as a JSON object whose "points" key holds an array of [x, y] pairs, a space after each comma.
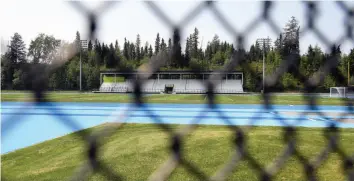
{"points": [[338, 92]]}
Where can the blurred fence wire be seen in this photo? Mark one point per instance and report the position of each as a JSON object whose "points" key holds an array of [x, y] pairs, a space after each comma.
{"points": [[289, 64]]}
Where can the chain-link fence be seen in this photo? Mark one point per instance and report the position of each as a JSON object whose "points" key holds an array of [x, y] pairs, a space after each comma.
{"points": [[39, 75]]}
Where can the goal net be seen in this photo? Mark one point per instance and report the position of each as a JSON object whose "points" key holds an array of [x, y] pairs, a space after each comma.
{"points": [[338, 92]]}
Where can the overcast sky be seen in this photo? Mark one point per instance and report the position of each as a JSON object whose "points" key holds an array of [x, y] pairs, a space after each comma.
{"points": [[129, 18]]}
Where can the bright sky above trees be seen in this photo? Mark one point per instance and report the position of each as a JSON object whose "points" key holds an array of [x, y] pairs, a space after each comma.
{"points": [[127, 19]]}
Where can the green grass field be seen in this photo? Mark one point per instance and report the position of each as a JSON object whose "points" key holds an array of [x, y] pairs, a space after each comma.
{"points": [[160, 98], [136, 150]]}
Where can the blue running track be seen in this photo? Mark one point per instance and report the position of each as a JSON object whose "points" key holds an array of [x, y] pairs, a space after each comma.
{"points": [[25, 124]]}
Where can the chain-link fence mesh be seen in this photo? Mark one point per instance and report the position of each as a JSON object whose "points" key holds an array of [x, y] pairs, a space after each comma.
{"points": [[39, 75]]}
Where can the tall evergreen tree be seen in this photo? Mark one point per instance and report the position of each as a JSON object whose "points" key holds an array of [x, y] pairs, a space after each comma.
{"points": [[150, 51], [98, 52], [177, 51], [187, 51], [201, 55], [89, 46], [169, 45], [17, 49], [163, 46], [9, 62], [190, 47], [129, 51], [97, 46], [252, 55], [111, 48], [117, 48], [279, 43], [146, 47], [126, 49], [291, 39], [195, 42], [78, 40], [157, 43], [109, 59], [104, 53], [208, 52], [232, 48], [215, 44], [12, 74], [142, 53], [7, 71], [223, 46], [137, 47], [258, 51], [132, 51]]}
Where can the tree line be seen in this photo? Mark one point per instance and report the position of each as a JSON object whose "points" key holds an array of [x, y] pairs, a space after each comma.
{"points": [[131, 54]]}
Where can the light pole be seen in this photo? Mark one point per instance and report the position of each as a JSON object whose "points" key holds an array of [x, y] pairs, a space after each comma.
{"points": [[263, 65], [83, 45], [262, 41], [348, 71], [80, 68]]}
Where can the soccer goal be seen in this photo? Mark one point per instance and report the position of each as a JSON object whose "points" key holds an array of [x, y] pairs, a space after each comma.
{"points": [[338, 92]]}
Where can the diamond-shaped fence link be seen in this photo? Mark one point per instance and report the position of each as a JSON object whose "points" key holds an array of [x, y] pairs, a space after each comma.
{"points": [[38, 74]]}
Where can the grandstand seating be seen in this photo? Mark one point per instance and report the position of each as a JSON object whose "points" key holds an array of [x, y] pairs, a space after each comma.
{"points": [[180, 86], [232, 85]]}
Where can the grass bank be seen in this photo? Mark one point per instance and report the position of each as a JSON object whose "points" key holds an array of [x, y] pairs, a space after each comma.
{"points": [[136, 150]]}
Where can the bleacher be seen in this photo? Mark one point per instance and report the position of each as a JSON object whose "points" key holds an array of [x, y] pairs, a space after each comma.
{"points": [[181, 82], [180, 86]]}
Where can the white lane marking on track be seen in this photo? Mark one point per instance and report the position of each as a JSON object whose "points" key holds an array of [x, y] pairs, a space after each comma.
{"points": [[312, 119], [322, 119]]}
